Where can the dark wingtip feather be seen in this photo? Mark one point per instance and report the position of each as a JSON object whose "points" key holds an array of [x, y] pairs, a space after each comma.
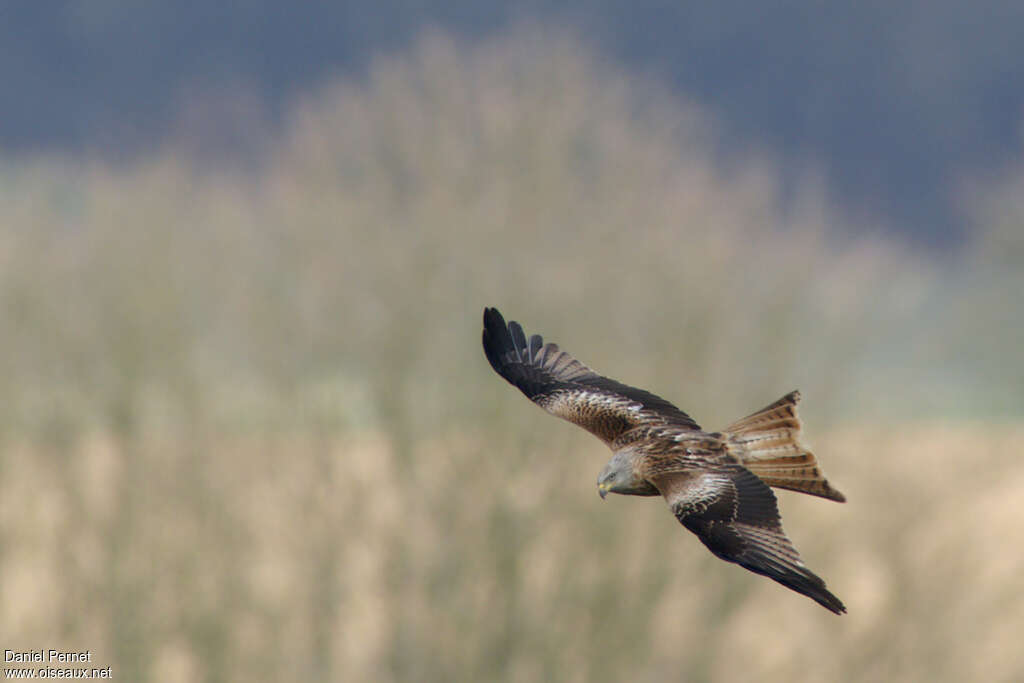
{"points": [[799, 579], [518, 338], [834, 604], [826, 599], [493, 319], [536, 344], [496, 338], [814, 588]]}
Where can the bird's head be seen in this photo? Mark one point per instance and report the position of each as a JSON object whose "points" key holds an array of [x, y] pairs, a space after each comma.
{"points": [[619, 476]]}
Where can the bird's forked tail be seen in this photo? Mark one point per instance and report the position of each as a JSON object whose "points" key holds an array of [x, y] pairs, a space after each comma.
{"points": [[768, 444]]}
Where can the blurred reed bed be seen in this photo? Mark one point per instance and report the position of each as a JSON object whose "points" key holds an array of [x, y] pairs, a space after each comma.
{"points": [[247, 432], [291, 556]]}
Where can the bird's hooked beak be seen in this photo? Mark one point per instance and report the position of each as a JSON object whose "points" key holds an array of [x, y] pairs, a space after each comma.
{"points": [[602, 489]]}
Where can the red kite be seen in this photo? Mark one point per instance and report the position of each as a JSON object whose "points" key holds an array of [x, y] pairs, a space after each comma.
{"points": [[715, 483]]}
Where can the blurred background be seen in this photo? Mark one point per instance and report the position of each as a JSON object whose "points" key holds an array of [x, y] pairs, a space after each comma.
{"points": [[247, 431]]}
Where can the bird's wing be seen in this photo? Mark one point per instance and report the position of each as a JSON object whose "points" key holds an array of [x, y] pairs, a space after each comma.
{"points": [[734, 514], [565, 387]]}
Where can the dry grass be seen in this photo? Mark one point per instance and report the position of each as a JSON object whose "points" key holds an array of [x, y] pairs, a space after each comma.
{"points": [[291, 557], [247, 431]]}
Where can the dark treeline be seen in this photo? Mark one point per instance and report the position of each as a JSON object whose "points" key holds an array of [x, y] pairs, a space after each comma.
{"points": [[895, 102]]}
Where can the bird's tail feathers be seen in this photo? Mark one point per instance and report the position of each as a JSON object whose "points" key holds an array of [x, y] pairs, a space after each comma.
{"points": [[768, 444]]}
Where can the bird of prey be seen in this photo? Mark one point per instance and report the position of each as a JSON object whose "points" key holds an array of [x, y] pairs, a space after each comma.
{"points": [[715, 483]]}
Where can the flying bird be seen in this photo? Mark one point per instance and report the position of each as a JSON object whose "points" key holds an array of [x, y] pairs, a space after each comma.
{"points": [[715, 483]]}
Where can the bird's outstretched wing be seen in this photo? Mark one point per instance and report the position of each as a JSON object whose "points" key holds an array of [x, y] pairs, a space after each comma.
{"points": [[734, 514], [565, 387]]}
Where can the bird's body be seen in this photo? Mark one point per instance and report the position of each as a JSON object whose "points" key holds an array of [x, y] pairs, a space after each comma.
{"points": [[715, 483]]}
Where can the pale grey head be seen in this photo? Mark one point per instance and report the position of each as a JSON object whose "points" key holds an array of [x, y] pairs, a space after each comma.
{"points": [[620, 476]]}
